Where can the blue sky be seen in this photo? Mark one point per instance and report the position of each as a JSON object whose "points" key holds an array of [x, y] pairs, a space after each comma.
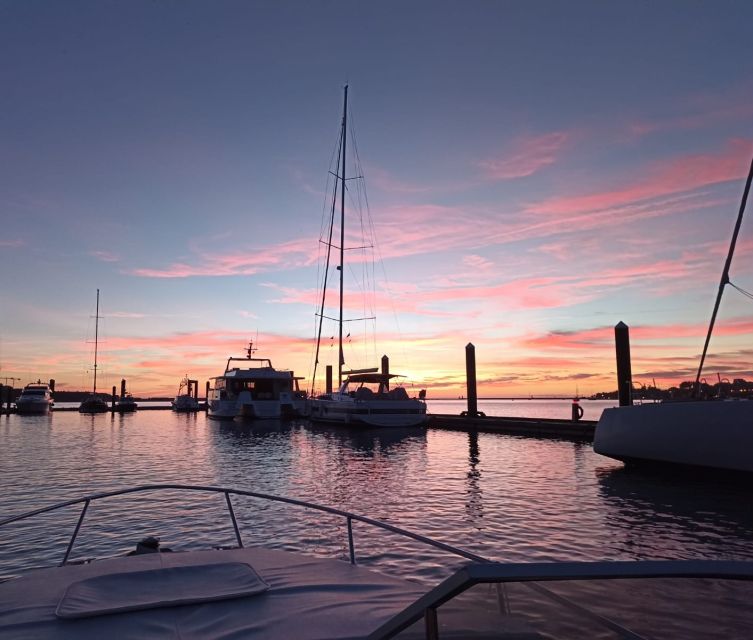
{"points": [[534, 170]]}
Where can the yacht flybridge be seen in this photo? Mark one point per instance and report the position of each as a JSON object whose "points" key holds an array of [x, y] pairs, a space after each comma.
{"points": [[256, 592], [255, 390]]}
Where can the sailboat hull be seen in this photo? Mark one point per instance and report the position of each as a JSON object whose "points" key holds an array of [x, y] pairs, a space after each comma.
{"points": [[342, 410], [713, 434]]}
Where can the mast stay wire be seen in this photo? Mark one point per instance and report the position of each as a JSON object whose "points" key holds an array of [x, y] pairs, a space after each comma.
{"points": [[378, 252], [322, 274], [741, 290]]}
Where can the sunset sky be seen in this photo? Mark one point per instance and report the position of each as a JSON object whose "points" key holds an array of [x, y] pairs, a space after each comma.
{"points": [[536, 173]]}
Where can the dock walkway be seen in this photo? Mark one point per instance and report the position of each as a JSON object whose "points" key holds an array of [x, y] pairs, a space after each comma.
{"points": [[582, 430]]}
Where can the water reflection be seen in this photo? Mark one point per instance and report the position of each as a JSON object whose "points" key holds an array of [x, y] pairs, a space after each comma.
{"points": [[474, 506], [669, 514], [367, 440]]}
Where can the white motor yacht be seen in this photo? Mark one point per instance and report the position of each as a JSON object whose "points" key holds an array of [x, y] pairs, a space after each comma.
{"points": [[256, 592], [35, 399], [256, 390], [365, 398]]}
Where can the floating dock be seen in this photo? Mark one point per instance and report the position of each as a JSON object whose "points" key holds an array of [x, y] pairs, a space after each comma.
{"points": [[581, 430]]}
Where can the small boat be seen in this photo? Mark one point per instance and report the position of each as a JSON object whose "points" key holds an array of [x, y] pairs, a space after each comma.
{"points": [[365, 399], [35, 399], [243, 591], [256, 390], [186, 401], [712, 434], [95, 403], [126, 404], [364, 396]]}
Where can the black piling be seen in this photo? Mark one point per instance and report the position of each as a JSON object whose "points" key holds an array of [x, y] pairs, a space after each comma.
{"points": [[206, 391], [114, 391], [122, 388], [328, 388], [52, 385], [624, 374], [386, 371], [470, 379]]}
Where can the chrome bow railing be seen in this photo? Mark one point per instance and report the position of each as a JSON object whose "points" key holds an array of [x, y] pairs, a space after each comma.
{"points": [[349, 517]]}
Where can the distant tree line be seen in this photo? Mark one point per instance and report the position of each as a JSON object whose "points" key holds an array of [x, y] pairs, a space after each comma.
{"points": [[738, 388]]}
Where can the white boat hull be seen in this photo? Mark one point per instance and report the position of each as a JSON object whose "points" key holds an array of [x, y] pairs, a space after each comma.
{"points": [[33, 407], [714, 434], [245, 408], [386, 414]]}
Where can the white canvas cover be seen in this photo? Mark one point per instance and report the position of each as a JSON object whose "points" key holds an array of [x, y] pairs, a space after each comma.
{"points": [[307, 598]]}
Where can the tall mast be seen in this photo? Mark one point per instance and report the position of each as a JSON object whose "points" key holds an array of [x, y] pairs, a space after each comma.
{"points": [[96, 338], [725, 276], [341, 359]]}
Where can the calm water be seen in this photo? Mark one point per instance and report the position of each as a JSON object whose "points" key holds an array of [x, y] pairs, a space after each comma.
{"points": [[505, 497]]}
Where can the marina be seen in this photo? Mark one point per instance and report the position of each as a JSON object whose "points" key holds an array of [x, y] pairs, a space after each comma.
{"points": [[543, 182]]}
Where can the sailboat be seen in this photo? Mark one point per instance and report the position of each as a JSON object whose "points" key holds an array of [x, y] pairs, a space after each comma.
{"points": [[364, 396], [95, 403], [715, 434]]}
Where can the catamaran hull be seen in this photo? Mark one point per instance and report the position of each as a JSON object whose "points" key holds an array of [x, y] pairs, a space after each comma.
{"points": [[712, 434], [333, 413]]}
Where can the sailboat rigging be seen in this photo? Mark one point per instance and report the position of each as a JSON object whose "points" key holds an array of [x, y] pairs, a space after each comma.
{"points": [[364, 395]]}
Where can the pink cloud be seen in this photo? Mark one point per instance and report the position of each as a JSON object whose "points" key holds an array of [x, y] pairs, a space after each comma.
{"points": [[104, 256], [525, 156], [293, 253], [12, 243], [604, 336], [665, 178], [477, 262], [703, 111]]}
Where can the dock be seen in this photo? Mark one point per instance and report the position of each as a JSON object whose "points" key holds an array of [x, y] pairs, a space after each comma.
{"points": [[580, 430]]}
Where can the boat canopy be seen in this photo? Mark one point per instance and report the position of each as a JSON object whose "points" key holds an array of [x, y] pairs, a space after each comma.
{"points": [[371, 377]]}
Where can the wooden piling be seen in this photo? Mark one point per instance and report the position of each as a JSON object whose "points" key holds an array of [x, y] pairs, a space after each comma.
{"points": [[114, 395], [470, 379], [386, 370], [328, 387], [624, 374]]}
